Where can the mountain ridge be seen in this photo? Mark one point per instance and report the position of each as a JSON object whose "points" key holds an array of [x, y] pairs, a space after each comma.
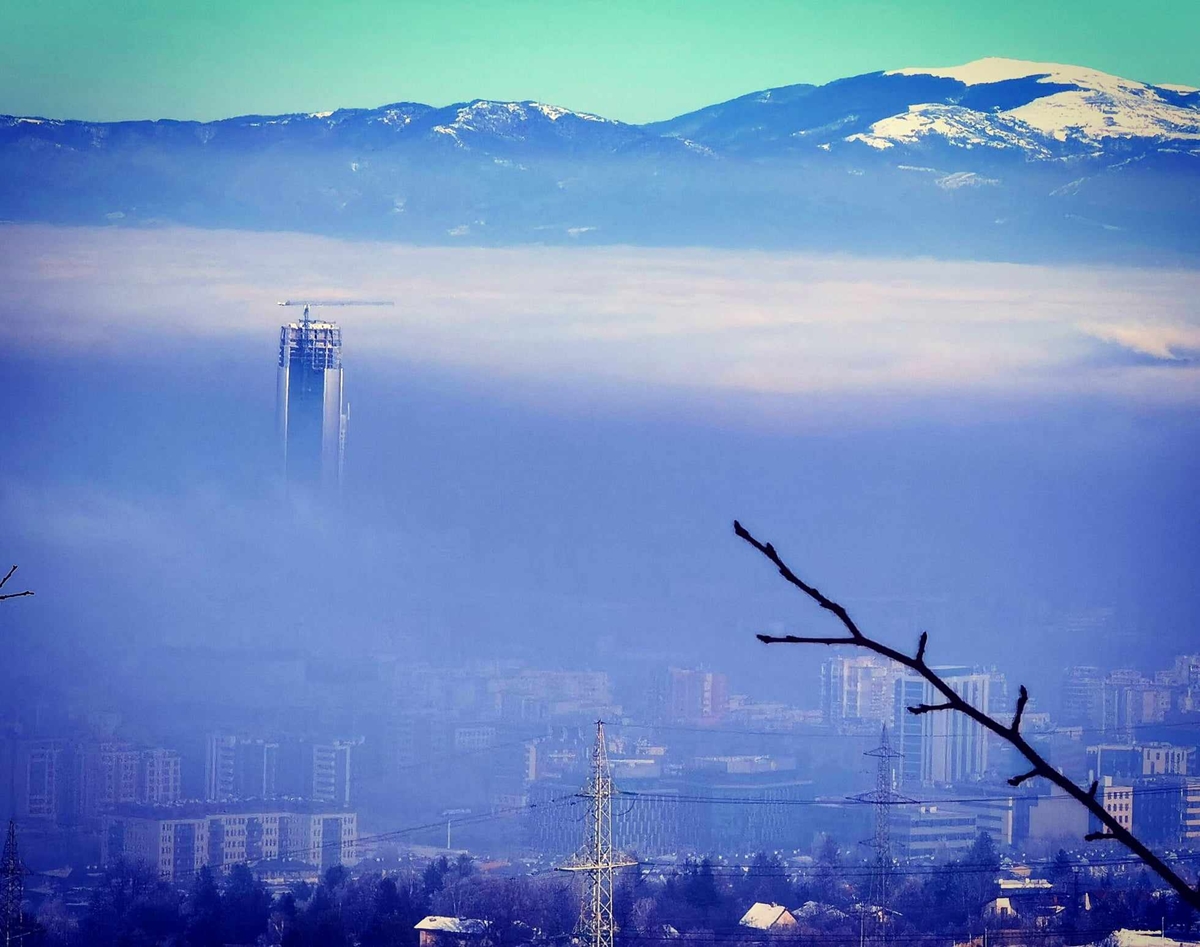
{"points": [[1043, 150]]}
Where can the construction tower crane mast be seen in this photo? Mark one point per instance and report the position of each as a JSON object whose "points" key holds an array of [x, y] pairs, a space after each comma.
{"points": [[323, 303]]}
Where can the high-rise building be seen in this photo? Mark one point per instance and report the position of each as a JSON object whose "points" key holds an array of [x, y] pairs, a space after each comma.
{"points": [[119, 764], [220, 766], [944, 747], [859, 690], [160, 777], [1083, 697], [695, 696], [310, 410]]}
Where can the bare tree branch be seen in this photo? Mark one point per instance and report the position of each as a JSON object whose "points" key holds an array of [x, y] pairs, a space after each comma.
{"points": [[1022, 700], [7, 576], [1011, 733], [1017, 780], [919, 709]]}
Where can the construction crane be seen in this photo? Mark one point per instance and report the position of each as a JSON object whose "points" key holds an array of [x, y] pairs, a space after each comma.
{"points": [[310, 303]]}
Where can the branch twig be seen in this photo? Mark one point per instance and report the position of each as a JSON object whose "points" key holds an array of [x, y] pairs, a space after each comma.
{"points": [[928, 708], [1011, 733], [7, 576]]}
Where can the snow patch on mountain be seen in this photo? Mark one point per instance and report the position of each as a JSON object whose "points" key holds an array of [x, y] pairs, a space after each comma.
{"points": [[997, 69], [955, 125], [960, 179], [555, 112], [1128, 111]]}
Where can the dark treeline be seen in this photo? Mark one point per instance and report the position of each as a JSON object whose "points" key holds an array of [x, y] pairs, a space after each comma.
{"points": [[701, 901]]}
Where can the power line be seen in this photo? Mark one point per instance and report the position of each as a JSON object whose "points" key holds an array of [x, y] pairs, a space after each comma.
{"points": [[744, 869], [664, 796], [820, 735], [571, 799]]}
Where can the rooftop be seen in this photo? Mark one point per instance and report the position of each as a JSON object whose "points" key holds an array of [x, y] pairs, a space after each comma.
{"points": [[468, 926]]}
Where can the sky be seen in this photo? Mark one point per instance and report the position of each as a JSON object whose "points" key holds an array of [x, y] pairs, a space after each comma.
{"points": [[624, 59], [548, 446]]}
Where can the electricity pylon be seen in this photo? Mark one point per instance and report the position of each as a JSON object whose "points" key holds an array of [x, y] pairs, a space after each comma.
{"points": [[12, 888], [882, 797], [598, 858]]}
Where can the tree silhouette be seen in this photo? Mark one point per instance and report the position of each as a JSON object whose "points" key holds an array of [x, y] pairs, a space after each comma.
{"points": [[954, 702]]}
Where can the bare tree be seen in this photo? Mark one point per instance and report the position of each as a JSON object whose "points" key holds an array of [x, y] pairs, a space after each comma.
{"points": [[953, 702], [11, 594]]}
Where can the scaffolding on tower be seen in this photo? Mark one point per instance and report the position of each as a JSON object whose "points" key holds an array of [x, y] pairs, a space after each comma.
{"points": [[598, 860]]}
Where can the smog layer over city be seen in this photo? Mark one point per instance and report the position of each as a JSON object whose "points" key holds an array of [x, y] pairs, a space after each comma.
{"points": [[678, 472]]}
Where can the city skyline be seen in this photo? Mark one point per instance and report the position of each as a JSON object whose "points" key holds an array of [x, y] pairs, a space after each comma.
{"points": [[770, 510]]}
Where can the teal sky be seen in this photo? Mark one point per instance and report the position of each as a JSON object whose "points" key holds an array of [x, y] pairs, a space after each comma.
{"points": [[636, 61]]}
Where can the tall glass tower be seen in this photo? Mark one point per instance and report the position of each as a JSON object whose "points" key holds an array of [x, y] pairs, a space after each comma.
{"points": [[310, 410]]}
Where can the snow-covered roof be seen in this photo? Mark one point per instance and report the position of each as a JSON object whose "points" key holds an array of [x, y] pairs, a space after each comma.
{"points": [[1024, 884], [1128, 938], [763, 917], [468, 926]]}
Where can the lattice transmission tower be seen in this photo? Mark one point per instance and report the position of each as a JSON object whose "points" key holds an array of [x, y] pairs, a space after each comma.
{"points": [[598, 859], [883, 797], [12, 888]]}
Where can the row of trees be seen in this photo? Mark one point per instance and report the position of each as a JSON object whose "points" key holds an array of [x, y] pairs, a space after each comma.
{"points": [[700, 901]]}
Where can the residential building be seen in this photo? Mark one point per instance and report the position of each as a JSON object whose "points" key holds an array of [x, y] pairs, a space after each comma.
{"points": [[1160, 809], [438, 931], [858, 691], [177, 841], [42, 779], [160, 778], [1083, 698], [1191, 812], [1131, 700], [695, 696], [1117, 800], [768, 917], [220, 767], [1129, 761], [118, 768], [243, 768], [1162, 759]]}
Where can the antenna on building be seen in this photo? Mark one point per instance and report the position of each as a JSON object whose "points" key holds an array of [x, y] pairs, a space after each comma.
{"points": [[12, 888], [598, 858]]}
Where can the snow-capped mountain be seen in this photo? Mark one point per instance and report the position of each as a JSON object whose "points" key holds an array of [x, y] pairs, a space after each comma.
{"points": [[996, 158], [1039, 110], [1047, 104]]}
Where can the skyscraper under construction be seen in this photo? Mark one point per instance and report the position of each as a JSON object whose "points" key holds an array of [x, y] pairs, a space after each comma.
{"points": [[310, 410]]}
